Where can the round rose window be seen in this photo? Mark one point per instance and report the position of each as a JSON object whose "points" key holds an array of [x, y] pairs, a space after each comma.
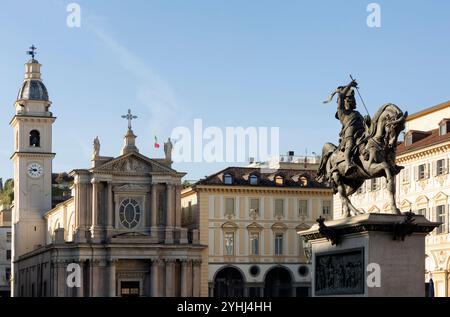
{"points": [[129, 213]]}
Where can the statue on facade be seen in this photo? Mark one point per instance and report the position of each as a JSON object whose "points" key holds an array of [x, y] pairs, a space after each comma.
{"points": [[366, 150], [168, 147], [96, 147]]}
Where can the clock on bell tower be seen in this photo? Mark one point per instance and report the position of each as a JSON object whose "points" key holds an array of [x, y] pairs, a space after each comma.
{"points": [[32, 160]]}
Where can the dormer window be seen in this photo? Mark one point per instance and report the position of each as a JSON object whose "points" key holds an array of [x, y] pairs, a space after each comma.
{"points": [[408, 139], [253, 180], [303, 181], [279, 180], [443, 128], [228, 179]]}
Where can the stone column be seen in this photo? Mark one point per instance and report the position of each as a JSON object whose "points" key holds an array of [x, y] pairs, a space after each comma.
{"points": [[170, 278], [156, 278], [186, 278], [61, 267], [178, 206], [170, 213], [112, 278], [109, 209], [80, 210], [95, 229], [196, 278], [154, 212]]}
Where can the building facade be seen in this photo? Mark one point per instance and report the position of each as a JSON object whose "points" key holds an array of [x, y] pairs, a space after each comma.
{"points": [[5, 250], [253, 217], [120, 233], [423, 186]]}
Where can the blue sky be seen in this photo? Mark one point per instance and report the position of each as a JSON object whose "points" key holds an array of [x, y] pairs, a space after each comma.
{"points": [[230, 63]]}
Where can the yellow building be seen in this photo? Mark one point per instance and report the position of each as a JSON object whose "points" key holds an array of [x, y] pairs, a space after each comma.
{"points": [[422, 187], [253, 216]]}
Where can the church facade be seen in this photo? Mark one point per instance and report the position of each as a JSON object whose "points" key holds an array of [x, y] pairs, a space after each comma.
{"points": [[120, 232]]}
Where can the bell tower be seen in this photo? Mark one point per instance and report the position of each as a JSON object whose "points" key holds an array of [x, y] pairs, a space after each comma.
{"points": [[32, 160]]}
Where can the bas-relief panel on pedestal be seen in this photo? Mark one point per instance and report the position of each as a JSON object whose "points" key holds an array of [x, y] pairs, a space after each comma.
{"points": [[339, 273]]}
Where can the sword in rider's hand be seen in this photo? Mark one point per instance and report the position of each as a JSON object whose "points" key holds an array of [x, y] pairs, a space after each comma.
{"points": [[360, 97]]}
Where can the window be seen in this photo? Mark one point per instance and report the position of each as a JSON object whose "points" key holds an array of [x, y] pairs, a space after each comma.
{"points": [[8, 274], [8, 237], [228, 179], [229, 243], [374, 184], [253, 180], [422, 211], [440, 167], [254, 207], [279, 181], [279, 208], [443, 129], [405, 175], [254, 243], [326, 208], [129, 213], [229, 206], [360, 190], [8, 254], [422, 172], [303, 208], [441, 217], [35, 138], [303, 181], [279, 244], [408, 139]]}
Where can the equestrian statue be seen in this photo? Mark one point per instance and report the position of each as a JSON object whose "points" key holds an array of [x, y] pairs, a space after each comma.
{"points": [[366, 150]]}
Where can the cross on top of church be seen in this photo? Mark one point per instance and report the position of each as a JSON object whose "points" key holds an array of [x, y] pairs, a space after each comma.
{"points": [[32, 51], [129, 117]]}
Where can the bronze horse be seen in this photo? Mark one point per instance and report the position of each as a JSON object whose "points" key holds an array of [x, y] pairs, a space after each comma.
{"points": [[374, 156]]}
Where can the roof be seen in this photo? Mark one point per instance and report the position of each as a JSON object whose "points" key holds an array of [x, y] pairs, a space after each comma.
{"points": [[432, 139], [241, 177], [33, 89], [428, 111]]}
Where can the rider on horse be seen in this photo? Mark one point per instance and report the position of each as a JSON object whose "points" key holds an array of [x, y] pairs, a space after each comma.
{"points": [[353, 123]]}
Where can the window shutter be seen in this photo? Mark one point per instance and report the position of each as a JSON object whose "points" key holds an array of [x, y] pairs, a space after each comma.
{"points": [[416, 173], [435, 168], [402, 176], [428, 170], [446, 166]]}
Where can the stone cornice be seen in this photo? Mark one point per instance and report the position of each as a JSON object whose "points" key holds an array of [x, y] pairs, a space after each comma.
{"points": [[33, 154], [423, 152], [260, 190]]}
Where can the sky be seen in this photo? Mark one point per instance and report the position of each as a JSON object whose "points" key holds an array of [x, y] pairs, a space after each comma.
{"points": [[254, 63]]}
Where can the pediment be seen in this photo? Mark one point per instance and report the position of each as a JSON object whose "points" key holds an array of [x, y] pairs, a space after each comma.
{"points": [[230, 225], [422, 200], [374, 209], [406, 204], [440, 197], [131, 188], [302, 227], [279, 226], [134, 163], [255, 226]]}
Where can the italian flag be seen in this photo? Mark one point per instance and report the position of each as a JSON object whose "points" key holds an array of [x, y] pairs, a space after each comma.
{"points": [[156, 143]]}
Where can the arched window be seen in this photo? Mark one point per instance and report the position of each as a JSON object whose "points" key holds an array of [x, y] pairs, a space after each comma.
{"points": [[35, 138], [253, 180], [279, 180], [228, 179], [129, 213]]}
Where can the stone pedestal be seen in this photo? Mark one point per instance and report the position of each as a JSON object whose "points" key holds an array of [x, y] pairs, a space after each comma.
{"points": [[369, 255]]}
